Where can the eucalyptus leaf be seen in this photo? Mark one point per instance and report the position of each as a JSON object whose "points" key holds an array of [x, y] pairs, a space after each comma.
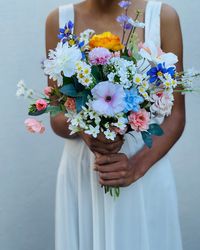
{"points": [[81, 100], [155, 129], [53, 110], [147, 138], [69, 90]]}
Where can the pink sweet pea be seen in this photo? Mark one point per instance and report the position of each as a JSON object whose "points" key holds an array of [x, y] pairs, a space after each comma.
{"points": [[41, 104], [34, 126], [139, 121], [48, 91]]}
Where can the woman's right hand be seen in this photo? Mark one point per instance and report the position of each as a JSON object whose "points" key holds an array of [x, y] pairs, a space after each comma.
{"points": [[101, 144]]}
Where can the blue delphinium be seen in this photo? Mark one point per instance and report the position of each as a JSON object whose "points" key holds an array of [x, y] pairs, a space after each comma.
{"points": [[66, 35], [132, 100], [156, 72], [66, 31]]}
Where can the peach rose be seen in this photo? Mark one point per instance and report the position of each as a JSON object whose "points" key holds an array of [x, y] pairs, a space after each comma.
{"points": [[70, 104], [34, 126], [139, 121], [48, 91], [41, 104]]}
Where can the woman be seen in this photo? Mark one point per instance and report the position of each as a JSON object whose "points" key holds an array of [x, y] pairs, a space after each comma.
{"points": [[144, 217]]}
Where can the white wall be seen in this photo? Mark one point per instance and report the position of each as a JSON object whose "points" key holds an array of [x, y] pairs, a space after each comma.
{"points": [[28, 163]]}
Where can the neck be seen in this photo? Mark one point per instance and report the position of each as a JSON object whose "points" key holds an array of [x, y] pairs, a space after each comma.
{"points": [[103, 5]]}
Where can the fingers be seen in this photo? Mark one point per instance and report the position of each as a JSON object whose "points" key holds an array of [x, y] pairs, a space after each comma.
{"points": [[112, 175], [111, 158]]}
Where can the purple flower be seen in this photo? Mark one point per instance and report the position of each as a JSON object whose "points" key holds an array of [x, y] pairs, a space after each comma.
{"points": [[122, 18], [108, 98], [124, 4], [99, 56]]}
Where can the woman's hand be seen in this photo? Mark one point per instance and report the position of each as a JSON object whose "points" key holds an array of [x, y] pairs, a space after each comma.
{"points": [[117, 170], [101, 144]]}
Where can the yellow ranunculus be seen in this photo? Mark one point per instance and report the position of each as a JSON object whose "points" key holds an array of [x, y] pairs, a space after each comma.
{"points": [[106, 40]]}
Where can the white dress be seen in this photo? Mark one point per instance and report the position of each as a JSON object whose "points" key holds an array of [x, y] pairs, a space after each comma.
{"points": [[144, 217]]}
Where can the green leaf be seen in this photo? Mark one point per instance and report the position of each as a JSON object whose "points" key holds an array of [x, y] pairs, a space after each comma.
{"points": [[155, 129], [53, 110], [36, 113], [147, 138], [69, 90], [78, 86], [96, 72], [81, 100], [67, 80]]}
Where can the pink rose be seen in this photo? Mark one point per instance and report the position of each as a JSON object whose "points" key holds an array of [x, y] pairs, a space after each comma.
{"points": [[70, 104], [34, 126], [48, 91], [41, 104], [139, 121]]}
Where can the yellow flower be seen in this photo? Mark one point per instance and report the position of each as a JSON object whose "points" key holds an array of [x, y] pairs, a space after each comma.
{"points": [[106, 40]]}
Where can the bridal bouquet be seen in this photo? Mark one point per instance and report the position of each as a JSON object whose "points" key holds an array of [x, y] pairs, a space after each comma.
{"points": [[108, 86]]}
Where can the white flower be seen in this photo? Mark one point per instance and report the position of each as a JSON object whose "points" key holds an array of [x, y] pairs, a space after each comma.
{"points": [[21, 84], [163, 103], [121, 123], [94, 131], [136, 24], [62, 60], [85, 36], [20, 92], [154, 54], [73, 129], [110, 135], [137, 79], [30, 93]]}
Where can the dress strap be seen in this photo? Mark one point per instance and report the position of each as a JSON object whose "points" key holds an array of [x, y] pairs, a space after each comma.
{"points": [[66, 13], [152, 22]]}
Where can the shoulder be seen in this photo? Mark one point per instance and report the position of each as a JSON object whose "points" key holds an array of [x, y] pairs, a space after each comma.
{"points": [[169, 15], [52, 20], [171, 35]]}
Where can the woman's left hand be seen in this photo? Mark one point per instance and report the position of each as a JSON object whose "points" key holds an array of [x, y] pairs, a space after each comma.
{"points": [[118, 170]]}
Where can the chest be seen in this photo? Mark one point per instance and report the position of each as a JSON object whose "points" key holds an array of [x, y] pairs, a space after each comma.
{"points": [[102, 23]]}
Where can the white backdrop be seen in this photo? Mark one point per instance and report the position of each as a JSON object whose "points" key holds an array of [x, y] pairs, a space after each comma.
{"points": [[28, 163]]}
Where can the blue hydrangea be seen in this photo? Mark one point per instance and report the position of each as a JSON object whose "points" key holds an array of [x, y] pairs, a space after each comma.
{"points": [[132, 100]]}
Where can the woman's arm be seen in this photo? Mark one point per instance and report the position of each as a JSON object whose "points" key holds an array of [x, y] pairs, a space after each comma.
{"points": [[124, 171]]}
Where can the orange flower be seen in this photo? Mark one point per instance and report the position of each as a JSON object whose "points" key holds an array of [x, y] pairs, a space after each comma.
{"points": [[106, 40]]}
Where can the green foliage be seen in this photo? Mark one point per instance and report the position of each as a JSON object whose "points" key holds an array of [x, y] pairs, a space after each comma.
{"points": [[147, 138], [97, 72], [53, 110], [154, 129]]}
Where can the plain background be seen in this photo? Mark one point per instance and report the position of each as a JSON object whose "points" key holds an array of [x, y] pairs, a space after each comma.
{"points": [[29, 163]]}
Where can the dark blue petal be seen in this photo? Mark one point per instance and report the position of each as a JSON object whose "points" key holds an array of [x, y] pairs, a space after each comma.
{"points": [[81, 44], [62, 30], [153, 79], [70, 25]]}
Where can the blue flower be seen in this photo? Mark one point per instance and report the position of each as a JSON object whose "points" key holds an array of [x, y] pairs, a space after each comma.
{"points": [[132, 100], [66, 31], [156, 72], [124, 4], [122, 18]]}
